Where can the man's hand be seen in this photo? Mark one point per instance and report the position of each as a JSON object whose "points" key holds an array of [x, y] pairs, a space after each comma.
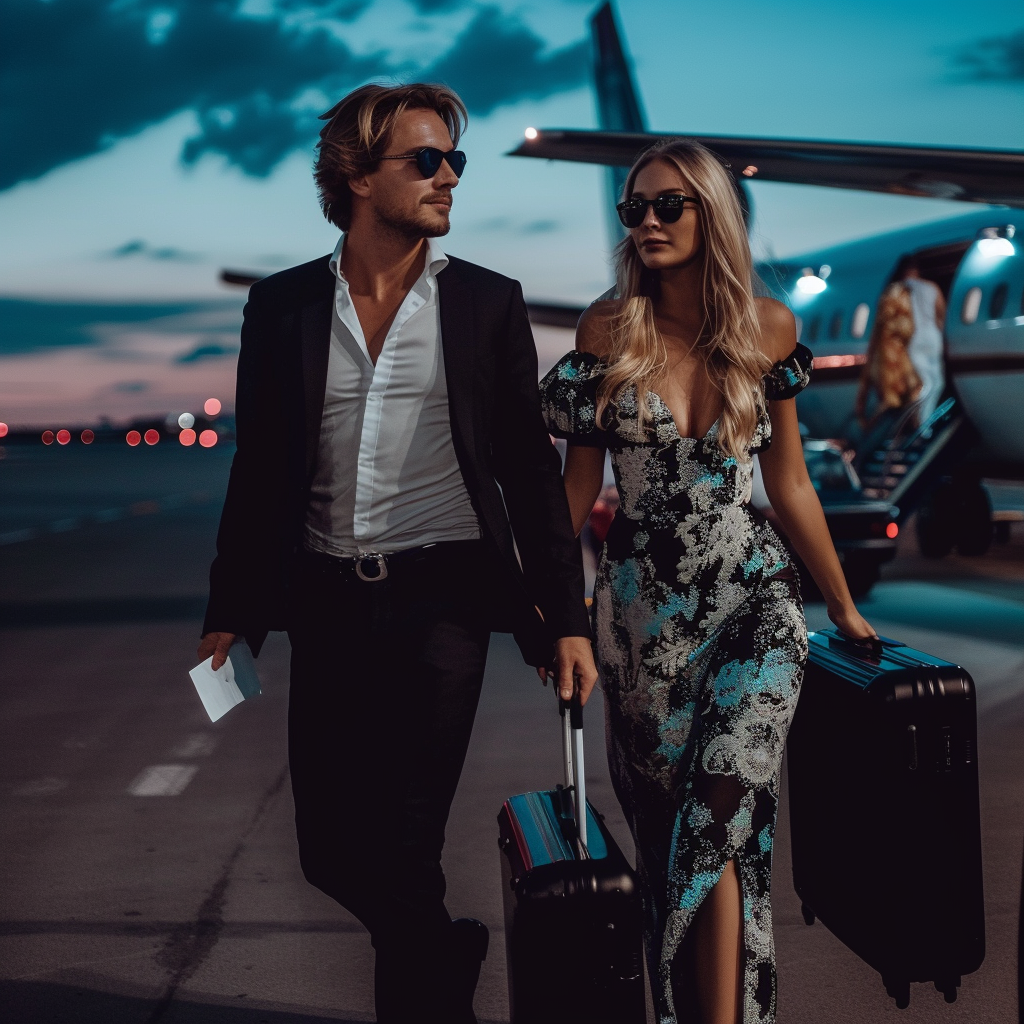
{"points": [[573, 657], [217, 644]]}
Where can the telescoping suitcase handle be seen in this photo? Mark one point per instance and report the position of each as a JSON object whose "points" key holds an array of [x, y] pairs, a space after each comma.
{"points": [[572, 753]]}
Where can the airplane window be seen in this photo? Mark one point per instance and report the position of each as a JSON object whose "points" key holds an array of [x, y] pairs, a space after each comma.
{"points": [[813, 327], [997, 304], [835, 325], [972, 303], [859, 323]]}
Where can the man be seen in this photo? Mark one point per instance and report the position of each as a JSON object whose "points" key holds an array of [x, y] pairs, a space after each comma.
{"points": [[390, 446]]}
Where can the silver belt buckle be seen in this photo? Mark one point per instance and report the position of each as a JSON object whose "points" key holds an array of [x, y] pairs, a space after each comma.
{"points": [[375, 558]]}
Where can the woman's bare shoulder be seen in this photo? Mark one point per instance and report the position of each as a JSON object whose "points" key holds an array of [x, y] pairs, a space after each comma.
{"points": [[592, 331], [778, 328]]}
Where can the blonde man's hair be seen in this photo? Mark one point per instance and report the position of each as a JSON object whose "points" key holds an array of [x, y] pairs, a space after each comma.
{"points": [[359, 130], [730, 343]]}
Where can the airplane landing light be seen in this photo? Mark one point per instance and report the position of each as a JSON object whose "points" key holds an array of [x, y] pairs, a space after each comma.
{"points": [[531, 133], [187, 436], [133, 437], [995, 247], [212, 407], [63, 436]]}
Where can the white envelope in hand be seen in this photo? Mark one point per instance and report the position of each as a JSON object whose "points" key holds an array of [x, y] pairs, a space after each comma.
{"points": [[232, 683]]}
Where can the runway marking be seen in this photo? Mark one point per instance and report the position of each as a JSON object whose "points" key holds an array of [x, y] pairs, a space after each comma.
{"points": [[107, 515], [198, 744], [40, 787], [162, 780]]}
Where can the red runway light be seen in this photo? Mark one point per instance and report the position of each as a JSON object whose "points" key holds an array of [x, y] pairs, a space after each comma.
{"points": [[891, 531], [63, 436], [47, 437], [88, 437], [212, 407], [187, 436], [208, 438], [3, 429], [133, 437], [152, 436]]}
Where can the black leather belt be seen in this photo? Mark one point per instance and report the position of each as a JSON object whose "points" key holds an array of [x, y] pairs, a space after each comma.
{"points": [[374, 566]]}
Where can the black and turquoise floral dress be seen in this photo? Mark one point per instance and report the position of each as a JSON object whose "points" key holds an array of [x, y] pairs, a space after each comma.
{"points": [[701, 644]]}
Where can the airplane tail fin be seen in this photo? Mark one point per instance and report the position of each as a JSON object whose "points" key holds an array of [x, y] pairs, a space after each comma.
{"points": [[618, 106]]}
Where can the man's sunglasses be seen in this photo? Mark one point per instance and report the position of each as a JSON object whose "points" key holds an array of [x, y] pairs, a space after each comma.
{"points": [[668, 209], [428, 160]]}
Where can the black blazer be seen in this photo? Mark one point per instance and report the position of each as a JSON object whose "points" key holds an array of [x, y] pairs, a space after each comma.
{"points": [[511, 469]]}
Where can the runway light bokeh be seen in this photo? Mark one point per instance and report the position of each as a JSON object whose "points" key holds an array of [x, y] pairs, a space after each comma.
{"points": [[208, 438], [133, 437], [212, 407], [186, 420], [63, 436], [3, 429], [187, 436], [152, 436], [47, 437], [88, 436], [891, 531]]}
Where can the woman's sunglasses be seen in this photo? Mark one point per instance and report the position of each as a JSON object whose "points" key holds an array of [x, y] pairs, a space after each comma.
{"points": [[668, 209], [428, 160]]}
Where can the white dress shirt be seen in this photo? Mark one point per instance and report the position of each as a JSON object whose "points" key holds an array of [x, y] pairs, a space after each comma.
{"points": [[386, 476]]}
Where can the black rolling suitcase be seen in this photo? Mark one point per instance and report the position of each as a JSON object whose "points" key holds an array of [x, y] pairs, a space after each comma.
{"points": [[883, 791], [572, 915]]}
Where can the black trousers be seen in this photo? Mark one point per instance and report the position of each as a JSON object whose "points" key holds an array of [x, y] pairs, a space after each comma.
{"points": [[385, 683]]}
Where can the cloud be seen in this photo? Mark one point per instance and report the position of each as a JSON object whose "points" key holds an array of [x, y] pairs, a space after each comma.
{"points": [[137, 247], [998, 59], [80, 74], [498, 60], [207, 350]]}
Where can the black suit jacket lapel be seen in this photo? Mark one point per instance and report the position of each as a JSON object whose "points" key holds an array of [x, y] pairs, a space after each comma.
{"points": [[458, 343], [315, 328]]}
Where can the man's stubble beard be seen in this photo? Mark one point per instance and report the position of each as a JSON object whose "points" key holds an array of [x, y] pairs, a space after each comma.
{"points": [[401, 224]]}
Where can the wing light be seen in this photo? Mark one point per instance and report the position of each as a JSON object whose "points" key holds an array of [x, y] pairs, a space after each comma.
{"points": [[810, 283], [531, 133]]}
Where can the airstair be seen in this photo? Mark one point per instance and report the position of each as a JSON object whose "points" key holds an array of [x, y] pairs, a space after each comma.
{"points": [[904, 465]]}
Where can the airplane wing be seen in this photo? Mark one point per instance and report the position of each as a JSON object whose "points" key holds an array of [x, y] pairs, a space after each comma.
{"points": [[993, 176]]}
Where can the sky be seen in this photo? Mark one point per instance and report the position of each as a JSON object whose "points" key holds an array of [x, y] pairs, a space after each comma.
{"points": [[149, 143]]}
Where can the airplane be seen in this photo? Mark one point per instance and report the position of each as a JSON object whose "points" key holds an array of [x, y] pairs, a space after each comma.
{"points": [[934, 468]]}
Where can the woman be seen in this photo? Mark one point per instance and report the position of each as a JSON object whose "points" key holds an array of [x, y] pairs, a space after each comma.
{"points": [[700, 632], [888, 369]]}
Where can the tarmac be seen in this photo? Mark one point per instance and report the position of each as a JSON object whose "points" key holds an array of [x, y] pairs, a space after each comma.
{"points": [[148, 869]]}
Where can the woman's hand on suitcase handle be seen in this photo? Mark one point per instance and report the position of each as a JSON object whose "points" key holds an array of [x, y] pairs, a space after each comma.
{"points": [[852, 623], [574, 657], [217, 645]]}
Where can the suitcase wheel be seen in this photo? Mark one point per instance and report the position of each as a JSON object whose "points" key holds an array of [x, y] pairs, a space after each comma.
{"points": [[808, 913], [948, 987], [898, 990]]}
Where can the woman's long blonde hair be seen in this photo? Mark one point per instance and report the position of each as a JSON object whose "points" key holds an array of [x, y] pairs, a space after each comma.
{"points": [[730, 341]]}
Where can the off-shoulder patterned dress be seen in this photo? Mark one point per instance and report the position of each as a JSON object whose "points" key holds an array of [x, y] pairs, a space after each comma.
{"points": [[701, 644]]}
